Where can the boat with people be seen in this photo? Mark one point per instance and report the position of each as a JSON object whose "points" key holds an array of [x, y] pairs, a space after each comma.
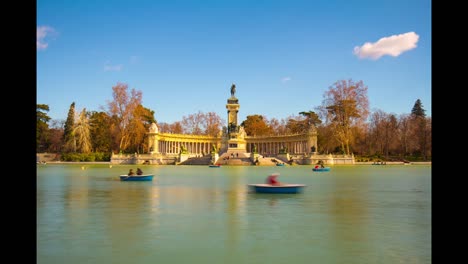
{"points": [[215, 165], [279, 164], [272, 185], [321, 168], [282, 188], [143, 177]]}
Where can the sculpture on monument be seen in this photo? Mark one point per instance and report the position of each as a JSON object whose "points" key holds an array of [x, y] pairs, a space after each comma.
{"points": [[242, 133], [283, 150], [233, 90], [183, 150], [153, 128], [232, 128]]}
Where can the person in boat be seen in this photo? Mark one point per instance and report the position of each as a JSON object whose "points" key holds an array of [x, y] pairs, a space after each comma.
{"points": [[131, 172], [321, 163], [272, 179], [139, 171]]}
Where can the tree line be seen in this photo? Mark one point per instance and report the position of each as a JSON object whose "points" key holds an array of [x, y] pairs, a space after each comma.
{"points": [[343, 122]]}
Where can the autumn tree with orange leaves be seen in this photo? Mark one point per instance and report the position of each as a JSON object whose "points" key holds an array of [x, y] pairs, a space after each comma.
{"points": [[139, 125], [202, 124], [345, 105], [122, 109], [256, 125]]}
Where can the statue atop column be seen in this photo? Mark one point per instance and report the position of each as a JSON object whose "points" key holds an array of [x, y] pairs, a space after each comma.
{"points": [[233, 99], [233, 90]]}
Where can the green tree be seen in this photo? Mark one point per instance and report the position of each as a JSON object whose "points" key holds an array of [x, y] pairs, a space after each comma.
{"points": [[420, 131], [68, 135], [100, 131], [303, 123], [418, 109], [312, 119], [42, 127]]}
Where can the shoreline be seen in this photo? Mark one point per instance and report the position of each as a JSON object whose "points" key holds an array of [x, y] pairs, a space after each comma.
{"points": [[355, 163], [395, 163], [80, 162]]}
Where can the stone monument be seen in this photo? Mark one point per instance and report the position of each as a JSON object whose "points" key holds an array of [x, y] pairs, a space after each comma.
{"points": [[235, 134]]}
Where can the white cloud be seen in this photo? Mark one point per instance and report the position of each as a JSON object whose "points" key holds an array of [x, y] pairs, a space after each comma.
{"points": [[109, 67], [393, 46], [41, 33], [285, 79]]}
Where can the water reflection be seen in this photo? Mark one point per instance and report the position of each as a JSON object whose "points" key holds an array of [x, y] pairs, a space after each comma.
{"points": [[209, 216], [349, 217], [274, 199], [236, 198]]}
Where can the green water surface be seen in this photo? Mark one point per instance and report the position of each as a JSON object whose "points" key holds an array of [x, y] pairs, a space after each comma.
{"points": [[196, 214]]}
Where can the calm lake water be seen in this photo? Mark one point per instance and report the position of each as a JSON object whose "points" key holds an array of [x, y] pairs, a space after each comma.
{"points": [[196, 214]]}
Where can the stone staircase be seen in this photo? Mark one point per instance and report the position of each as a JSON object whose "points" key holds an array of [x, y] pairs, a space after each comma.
{"points": [[243, 159], [234, 158], [236, 161], [268, 161], [205, 160]]}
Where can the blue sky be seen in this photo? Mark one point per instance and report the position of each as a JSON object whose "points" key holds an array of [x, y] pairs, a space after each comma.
{"points": [[184, 55]]}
